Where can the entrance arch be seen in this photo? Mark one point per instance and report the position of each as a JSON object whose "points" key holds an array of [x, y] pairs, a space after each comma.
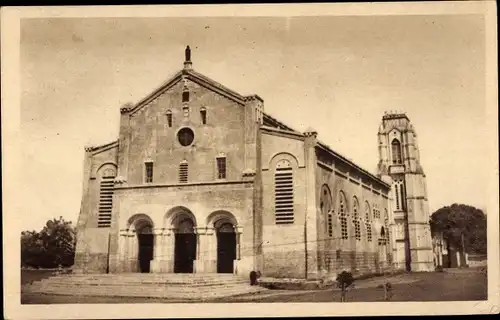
{"points": [[143, 227], [225, 224], [145, 238], [185, 241], [226, 246]]}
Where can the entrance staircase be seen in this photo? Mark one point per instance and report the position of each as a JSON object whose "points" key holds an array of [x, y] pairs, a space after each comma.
{"points": [[171, 286]]}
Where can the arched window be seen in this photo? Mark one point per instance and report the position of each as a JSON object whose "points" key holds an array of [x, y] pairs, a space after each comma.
{"points": [[221, 167], [376, 212], [386, 224], [396, 195], [357, 227], [148, 174], [326, 209], [396, 152], [169, 118], [106, 198], [183, 172], [402, 195], [185, 95], [343, 217], [283, 192], [203, 115], [368, 222]]}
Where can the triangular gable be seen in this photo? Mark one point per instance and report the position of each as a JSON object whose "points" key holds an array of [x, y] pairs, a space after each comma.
{"points": [[197, 78]]}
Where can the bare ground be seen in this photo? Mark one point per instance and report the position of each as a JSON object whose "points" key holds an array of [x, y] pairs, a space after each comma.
{"points": [[451, 285]]}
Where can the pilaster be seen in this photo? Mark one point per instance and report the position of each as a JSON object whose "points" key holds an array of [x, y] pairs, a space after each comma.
{"points": [[124, 143], [311, 214], [80, 249]]}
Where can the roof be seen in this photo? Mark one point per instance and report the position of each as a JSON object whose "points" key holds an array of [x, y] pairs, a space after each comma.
{"points": [[351, 163], [197, 78]]}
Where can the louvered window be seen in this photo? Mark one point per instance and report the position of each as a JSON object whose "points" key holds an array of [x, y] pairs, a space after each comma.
{"points": [[283, 184], [183, 172], [169, 118], [105, 202]]}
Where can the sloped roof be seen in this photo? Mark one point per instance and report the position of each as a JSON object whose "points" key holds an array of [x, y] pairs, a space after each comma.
{"points": [[197, 78]]}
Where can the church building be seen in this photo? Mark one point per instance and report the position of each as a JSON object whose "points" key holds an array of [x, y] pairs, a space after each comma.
{"points": [[202, 180]]}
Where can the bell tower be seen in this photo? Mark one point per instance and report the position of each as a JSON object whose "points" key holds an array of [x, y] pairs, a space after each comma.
{"points": [[399, 165]]}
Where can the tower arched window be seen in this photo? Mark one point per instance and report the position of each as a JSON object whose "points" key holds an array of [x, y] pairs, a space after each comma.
{"points": [[396, 195], [357, 227], [368, 222], [183, 172], [402, 195], [396, 152], [343, 217], [283, 192]]}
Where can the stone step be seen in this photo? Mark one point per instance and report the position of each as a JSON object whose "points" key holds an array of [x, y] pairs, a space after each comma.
{"points": [[164, 279], [155, 292], [168, 286], [142, 283], [123, 288]]}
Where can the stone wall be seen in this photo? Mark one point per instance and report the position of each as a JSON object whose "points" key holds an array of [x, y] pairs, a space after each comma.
{"points": [[283, 244], [91, 253], [152, 139]]}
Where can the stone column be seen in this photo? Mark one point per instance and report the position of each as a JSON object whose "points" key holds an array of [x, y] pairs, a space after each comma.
{"points": [[211, 250], [201, 249], [156, 263], [122, 250], [168, 250], [238, 231], [132, 257]]}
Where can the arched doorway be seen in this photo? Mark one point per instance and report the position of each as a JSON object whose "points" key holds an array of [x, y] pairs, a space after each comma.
{"points": [[185, 245], [226, 247], [145, 238]]}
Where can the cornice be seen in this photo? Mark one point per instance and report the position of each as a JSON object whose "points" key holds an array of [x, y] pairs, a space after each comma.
{"points": [[101, 147]]}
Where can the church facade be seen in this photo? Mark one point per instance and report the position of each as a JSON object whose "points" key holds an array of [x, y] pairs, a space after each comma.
{"points": [[202, 180]]}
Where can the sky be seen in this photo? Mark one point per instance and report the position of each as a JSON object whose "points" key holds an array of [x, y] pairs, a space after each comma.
{"points": [[337, 74]]}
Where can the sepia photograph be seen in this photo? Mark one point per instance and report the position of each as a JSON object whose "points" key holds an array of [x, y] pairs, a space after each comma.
{"points": [[321, 158]]}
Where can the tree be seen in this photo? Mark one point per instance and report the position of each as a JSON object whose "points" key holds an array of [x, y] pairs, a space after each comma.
{"points": [[53, 246], [344, 280], [462, 226]]}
